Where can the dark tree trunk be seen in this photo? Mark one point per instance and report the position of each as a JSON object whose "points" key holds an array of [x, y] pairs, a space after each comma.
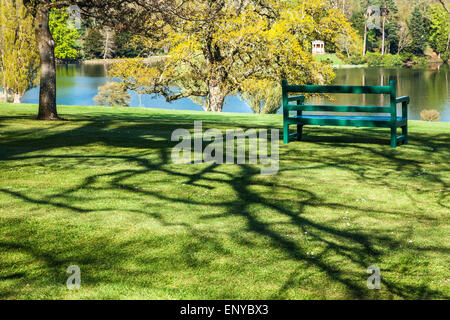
{"points": [[46, 44]]}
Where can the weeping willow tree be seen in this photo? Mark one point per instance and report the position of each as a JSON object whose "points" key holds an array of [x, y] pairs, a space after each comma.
{"points": [[19, 59], [240, 46]]}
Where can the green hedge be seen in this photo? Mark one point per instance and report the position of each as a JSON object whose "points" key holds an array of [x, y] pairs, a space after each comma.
{"points": [[375, 59]]}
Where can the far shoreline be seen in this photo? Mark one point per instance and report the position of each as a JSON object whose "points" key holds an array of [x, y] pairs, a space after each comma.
{"points": [[111, 61]]}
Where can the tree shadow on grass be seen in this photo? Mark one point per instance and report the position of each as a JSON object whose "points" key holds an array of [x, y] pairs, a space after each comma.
{"points": [[152, 134]]}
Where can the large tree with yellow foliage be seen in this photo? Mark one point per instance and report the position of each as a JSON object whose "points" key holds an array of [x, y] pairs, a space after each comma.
{"points": [[238, 46]]}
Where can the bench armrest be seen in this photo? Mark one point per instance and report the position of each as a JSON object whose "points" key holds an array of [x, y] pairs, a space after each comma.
{"points": [[403, 99], [300, 99]]}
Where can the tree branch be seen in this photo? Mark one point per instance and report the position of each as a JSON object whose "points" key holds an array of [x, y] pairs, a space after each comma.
{"points": [[445, 5]]}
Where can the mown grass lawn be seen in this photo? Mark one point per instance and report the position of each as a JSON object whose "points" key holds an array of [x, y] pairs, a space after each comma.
{"points": [[101, 192]]}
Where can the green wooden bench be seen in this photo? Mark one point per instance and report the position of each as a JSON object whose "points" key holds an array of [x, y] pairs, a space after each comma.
{"points": [[296, 103]]}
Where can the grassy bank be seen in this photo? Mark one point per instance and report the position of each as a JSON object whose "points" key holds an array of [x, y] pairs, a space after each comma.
{"points": [[329, 57], [100, 192]]}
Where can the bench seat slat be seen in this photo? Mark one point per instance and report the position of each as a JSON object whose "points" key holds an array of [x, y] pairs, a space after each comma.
{"points": [[339, 108], [370, 118], [349, 121]]}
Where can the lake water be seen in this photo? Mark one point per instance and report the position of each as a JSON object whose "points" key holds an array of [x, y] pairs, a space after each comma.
{"points": [[428, 88]]}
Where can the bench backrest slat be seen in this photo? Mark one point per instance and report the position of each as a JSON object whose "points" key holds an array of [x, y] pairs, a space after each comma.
{"points": [[388, 90], [339, 108], [340, 89]]}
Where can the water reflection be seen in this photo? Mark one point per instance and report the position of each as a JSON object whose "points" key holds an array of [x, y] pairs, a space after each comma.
{"points": [[428, 89]]}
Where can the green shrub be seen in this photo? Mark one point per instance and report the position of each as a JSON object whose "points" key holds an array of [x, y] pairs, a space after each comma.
{"points": [[445, 56], [392, 60], [341, 57], [407, 56], [375, 59], [357, 59], [421, 61], [414, 60]]}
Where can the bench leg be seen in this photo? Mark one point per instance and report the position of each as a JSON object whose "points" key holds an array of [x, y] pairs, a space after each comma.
{"points": [[299, 132], [285, 132], [405, 134], [394, 137]]}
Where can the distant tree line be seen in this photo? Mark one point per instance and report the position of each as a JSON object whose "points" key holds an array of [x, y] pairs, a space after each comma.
{"points": [[94, 41], [406, 27]]}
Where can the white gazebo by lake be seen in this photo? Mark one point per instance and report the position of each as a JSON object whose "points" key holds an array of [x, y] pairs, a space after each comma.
{"points": [[318, 47]]}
